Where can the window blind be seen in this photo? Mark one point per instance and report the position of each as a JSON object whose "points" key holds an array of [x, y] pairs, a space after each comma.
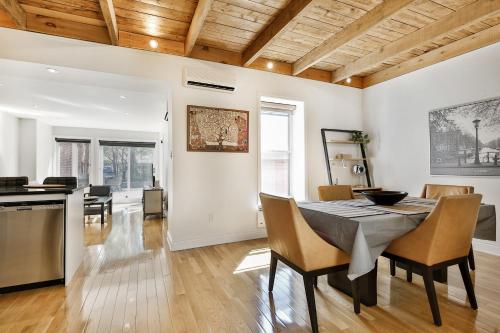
{"points": [[127, 144], [276, 107], [73, 140]]}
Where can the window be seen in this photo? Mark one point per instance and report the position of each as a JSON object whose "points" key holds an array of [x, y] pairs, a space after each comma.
{"points": [[275, 133], [282, 148], [73, 159], [127, 166]]}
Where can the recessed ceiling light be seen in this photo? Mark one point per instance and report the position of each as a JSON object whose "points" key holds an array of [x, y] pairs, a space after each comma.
{"points": [[126, 113], [153, 43], [52, 70], [348, 80], [270, 65], [123, 97]]}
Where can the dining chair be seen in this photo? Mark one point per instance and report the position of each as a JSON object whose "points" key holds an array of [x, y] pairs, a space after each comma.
{"points": [[13, 181], [68, 181], [295, 244], [443, 239], [335, 192], [436, 191]]}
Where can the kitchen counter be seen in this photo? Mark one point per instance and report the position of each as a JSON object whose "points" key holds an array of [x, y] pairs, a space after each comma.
{"points": [[20, 190]]}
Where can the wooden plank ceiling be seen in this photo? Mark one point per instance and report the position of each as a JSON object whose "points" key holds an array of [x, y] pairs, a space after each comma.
{"points": [[351, 42]]}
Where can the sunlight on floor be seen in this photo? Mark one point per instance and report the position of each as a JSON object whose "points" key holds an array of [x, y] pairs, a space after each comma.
{"points": [[256, 259]]}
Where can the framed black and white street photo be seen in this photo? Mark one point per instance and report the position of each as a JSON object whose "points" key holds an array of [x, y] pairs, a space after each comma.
{"points": [[465, 139]]}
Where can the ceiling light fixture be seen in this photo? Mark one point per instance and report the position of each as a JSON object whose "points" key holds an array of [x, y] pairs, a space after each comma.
{"points": [[348, 80], [123, 97], [153, 43], [270, 65], [52, 70]]}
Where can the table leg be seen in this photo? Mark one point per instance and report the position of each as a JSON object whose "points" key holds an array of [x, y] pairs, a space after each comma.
{"points": [[110, 207], [102, 213], [367, 285]]}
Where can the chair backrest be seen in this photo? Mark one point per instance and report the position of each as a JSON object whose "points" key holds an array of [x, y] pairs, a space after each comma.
{"points": [[335, 192], [436, 191], [68, 181], [290, 236], [100, 190], [13, 181], [447, 232]]}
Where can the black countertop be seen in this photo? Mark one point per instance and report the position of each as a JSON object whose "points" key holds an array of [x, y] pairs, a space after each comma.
{"points": [[20, 190]]}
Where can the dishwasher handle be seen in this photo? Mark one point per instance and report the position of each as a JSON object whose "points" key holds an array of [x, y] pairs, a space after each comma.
{"points": [[30, 208]]}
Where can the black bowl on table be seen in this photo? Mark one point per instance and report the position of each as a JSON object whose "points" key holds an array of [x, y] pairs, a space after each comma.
{"points": [[385, 198]]}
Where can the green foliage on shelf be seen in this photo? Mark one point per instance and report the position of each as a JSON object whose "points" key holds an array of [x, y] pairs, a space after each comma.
{"points": [[360, 137]]}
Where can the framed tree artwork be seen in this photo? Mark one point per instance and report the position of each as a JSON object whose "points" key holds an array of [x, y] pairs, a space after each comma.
{"points": [[216, 130], [465, 139]]}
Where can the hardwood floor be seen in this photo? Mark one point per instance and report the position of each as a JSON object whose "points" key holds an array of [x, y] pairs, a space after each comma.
{"points": [[130, 282]]}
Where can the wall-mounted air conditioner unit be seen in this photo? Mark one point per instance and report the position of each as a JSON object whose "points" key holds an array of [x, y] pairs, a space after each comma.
{"points": [[209, 79]]}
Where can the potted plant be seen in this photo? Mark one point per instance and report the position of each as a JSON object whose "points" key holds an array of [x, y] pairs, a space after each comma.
{"points": [[360, 137]]}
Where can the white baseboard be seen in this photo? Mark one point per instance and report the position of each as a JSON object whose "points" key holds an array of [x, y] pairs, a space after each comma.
{"points": [[213, 240], [486, 246]]}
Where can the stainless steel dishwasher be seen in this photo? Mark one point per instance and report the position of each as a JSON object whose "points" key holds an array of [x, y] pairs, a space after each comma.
{"points": [[31, 244]]}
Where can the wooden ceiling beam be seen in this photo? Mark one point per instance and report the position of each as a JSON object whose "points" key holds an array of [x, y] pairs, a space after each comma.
{"points": [[62, 15], [279, 25], [65, 28], [15, 12], [461, 18], [108, 12], [142, 42], [461, 46], [352, 31], [197, 22]]}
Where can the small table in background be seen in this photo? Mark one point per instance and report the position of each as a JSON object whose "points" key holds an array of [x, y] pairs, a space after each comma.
{"points": [[100, 202], [152, 201]]}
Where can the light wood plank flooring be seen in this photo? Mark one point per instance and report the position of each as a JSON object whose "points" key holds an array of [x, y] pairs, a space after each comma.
{"points": [[130, 282]]}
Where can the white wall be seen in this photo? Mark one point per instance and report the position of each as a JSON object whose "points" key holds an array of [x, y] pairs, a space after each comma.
{"points": [[9, 146], [44, 151], [27, 148], [396, 117], [202, 185]]}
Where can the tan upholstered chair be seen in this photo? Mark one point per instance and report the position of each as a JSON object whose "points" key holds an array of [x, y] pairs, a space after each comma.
{"points": [[436, 191], [294, 243], [443, 239], [335, 192]]}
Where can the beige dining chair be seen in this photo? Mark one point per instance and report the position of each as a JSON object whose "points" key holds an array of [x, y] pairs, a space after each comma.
{"points": [[436, 191], [335, 192], [294, 243], [443, 239]]}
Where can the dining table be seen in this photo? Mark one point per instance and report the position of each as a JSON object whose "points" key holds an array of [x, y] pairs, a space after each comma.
{"points": [[364, 230]]}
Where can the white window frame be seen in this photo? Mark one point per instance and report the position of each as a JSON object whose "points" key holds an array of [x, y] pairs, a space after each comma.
{"points": [[156, 153], [284, 113], [74, 156]]}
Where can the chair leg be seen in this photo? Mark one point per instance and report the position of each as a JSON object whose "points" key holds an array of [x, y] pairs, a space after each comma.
{"points": [[470, 257], [464, 270], [311, 304], [355, 296], [409, 274], [431, 295], [393, 267], [315, 281], [272, 272]]}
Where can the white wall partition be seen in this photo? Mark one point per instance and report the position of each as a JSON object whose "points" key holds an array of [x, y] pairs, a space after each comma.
{"points": [[9, 145], [396, 117], [212, 196]]}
